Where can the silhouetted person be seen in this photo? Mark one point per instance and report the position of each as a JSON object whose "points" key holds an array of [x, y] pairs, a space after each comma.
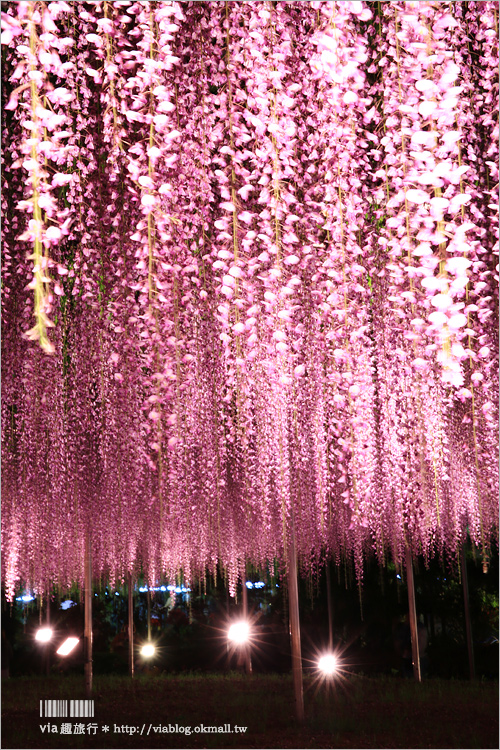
{"points": [[403, 646], [423, 639]]}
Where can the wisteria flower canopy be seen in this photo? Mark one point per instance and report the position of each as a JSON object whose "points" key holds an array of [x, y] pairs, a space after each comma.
{"points": [[249, 261]]}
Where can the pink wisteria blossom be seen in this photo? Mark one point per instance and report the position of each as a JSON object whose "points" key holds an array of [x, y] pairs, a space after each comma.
{"points": [[260, 243]]}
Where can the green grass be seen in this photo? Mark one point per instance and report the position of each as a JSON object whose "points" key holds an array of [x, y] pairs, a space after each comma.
{"points": [[358, 712]]}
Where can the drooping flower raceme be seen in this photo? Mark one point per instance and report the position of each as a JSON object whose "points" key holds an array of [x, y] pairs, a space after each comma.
{"points": [[259, 241]]}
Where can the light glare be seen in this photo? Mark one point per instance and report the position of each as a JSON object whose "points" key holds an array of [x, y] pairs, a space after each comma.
{"points": [[68, 646], [67, 604], [328, 664], [44, 635], [148, 650], [239, 632]]}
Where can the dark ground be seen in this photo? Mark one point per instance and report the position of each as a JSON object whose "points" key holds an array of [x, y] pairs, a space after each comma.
{"points": [[360, 712]]}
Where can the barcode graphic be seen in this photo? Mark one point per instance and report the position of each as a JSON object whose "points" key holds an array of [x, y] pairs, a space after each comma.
{"points": [[59, 709]]}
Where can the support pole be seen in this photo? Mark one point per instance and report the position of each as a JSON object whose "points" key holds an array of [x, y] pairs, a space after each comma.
{"points": [[468, 626], [43, 655], [47, 651], [87, 638], [330, 606], [149, 614], [130, 626], [413, 617], [293, 603], [246, 646]]}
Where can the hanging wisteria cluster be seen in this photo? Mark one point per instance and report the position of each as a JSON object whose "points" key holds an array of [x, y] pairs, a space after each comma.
{"points": [[249, 284]]}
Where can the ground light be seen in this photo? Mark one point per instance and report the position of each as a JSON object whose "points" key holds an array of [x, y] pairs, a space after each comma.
{"points": [[67, 647], [239, 632], [330, 673], [328, 664], [148, 650], [44, 635]]}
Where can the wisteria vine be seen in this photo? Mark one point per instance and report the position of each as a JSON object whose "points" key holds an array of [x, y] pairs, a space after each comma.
{"points": [[249, 284]]}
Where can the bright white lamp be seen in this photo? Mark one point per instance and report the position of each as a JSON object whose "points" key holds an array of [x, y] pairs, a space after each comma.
{"points": [[44, 635], [239, 632], [67, 647], [328, 664]]}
